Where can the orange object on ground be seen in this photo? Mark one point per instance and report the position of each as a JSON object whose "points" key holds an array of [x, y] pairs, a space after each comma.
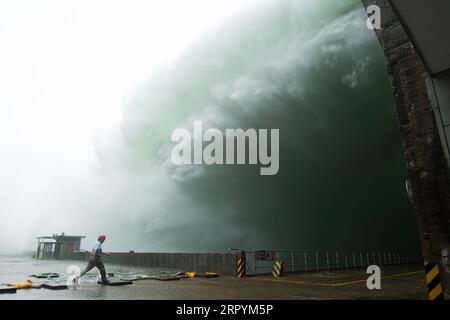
{"points": [[191, 274], [211, 274], [22, 285]]}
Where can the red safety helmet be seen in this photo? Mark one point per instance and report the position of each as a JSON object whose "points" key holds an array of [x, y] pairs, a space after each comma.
{"points": [[102, 237]]}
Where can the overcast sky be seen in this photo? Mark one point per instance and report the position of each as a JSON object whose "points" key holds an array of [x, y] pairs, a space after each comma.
{"points": [[65, 67]]}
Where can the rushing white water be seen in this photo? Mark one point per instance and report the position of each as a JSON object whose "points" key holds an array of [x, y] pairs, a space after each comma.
{"points": [[309, 68]]}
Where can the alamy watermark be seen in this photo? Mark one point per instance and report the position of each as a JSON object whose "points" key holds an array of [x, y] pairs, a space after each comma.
{"points": [[374, 280], [229, 147], [73, 279], [374, 20]]}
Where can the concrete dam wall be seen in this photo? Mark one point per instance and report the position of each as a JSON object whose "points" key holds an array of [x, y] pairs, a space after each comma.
{"points": [[222, 263]]}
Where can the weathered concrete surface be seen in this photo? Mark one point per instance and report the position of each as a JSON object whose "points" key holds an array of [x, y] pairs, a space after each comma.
{"points": [[222, 263], [427, 168], [397, 282]]}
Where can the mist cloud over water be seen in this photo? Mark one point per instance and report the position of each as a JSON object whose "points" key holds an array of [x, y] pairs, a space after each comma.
{"points": [[309, 68]]}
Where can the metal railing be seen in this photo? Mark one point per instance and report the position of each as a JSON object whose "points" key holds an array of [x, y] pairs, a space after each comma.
{"points": [[262, 261]]}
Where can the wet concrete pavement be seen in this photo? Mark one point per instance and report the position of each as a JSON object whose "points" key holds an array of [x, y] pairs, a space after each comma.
{"points": [[398, 282]]}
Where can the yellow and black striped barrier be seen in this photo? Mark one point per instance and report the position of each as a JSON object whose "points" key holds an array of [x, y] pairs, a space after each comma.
{"points": [[240, 267], [278, 269], [433, 281]]}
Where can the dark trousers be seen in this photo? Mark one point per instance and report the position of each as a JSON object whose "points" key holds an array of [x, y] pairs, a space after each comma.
{"points": [[97, 262]]}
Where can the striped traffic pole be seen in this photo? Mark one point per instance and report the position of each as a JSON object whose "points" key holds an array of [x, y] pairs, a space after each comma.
{"points": [[240, 265], [433, 281], [278, 269]]}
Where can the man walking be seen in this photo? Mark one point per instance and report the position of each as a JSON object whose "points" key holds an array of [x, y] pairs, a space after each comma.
{"points": [[95, 260]]}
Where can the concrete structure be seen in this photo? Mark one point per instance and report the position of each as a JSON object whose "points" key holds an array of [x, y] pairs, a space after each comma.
{"points": [[57, 246], [414, 35]]}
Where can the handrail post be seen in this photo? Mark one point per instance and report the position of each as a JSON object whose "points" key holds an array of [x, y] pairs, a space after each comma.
{"points": [[293, 262], [317, 260], [306, 259]]}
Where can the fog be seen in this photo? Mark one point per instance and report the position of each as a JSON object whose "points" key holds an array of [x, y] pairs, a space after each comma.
{"points": [[91, 93]]}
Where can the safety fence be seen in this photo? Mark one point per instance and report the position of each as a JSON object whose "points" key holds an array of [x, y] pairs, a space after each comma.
{"points": [[255, 262], [262, 261]]}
